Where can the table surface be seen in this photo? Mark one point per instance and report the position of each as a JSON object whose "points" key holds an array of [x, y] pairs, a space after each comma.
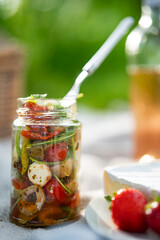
{"points": [[106, 140]]}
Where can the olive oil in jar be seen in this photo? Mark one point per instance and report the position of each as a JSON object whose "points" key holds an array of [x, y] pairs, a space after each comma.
{"points": [[145, 103]]}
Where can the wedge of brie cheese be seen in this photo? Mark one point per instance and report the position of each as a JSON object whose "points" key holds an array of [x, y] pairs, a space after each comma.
{"points": [[145, 177]]}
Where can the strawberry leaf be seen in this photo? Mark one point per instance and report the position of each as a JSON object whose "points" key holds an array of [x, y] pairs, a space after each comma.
{"points": [[148, 206], [157, 198], [108, 198]]}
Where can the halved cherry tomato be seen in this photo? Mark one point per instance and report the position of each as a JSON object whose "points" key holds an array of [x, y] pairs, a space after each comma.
{"points": [[20, 185], [57, 153], [53, 190]]}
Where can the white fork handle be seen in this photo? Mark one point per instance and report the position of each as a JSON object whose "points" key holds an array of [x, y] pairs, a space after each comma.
{"points": [[108, 45], [100, 55]]}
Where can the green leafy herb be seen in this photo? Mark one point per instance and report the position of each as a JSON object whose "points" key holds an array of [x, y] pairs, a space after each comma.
{"points": [[38, 96], [58, 105], [75, 121], [18, 149], [67, 190]]}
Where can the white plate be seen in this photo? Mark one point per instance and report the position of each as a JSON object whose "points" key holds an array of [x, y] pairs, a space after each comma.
{"points": [[99, 219]]}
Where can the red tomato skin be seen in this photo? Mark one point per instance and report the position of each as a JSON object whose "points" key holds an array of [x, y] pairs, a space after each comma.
{"points": [[53, 190], [57, 153], [35, 107], [75, 200], [20, 185]]}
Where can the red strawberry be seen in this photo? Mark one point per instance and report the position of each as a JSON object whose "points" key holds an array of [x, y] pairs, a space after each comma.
{"points": [[153, 216], [128, 210]]}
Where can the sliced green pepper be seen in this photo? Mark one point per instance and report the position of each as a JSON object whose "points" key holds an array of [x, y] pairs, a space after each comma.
{"points": [[74, 157], [24, 155], [18, 149]]}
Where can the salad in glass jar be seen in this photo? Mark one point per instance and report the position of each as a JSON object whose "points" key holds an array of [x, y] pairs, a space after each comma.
{"points": [[45, 162]]}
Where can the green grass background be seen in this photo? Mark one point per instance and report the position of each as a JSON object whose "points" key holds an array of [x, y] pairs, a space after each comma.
{"points": [[59, 38]]}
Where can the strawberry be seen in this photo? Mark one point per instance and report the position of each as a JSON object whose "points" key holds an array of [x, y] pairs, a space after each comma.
{"points": [[153, 216], [128, 210]]}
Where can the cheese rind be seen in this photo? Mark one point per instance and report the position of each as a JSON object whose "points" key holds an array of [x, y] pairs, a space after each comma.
{"points": [[145, 177]]}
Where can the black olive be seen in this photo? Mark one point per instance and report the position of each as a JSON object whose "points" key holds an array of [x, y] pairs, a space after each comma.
{"points": [[19, 165], [31, 197]]}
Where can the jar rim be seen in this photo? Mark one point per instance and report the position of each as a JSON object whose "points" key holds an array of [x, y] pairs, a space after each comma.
{"points": [[27, 98], [41, 108], [71, 100]]}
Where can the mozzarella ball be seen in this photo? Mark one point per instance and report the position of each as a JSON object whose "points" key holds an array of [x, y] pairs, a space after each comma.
{"points": [[64, 169], [39, 174]]}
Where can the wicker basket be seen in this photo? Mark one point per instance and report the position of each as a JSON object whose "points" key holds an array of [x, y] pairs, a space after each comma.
{"points": [[10, 84]]}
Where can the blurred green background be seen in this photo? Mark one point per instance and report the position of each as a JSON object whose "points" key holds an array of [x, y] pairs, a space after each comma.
{"points": [[60, 36]]}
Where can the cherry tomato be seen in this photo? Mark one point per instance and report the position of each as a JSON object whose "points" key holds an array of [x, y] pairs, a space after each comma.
{"points": [[54, 190], [57, 153], [20, 185]]}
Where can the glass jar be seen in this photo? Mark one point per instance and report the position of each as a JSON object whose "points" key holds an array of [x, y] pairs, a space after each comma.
{"points": [[143, 54], [45, 163]]}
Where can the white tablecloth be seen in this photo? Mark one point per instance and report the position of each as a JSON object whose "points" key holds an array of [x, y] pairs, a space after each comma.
{"points": [[106, 140]]}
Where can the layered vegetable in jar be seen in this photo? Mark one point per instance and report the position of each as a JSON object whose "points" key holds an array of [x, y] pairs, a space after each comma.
{"points": [[45, 162]]}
